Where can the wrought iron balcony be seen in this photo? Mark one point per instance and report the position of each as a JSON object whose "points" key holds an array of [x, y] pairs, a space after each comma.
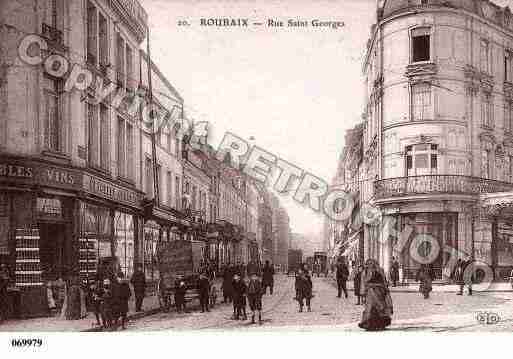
{"points": [[437, 184]]}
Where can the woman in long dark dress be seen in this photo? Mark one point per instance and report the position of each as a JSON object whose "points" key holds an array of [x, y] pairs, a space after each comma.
{"points": [[424, 276], [378, 303]]}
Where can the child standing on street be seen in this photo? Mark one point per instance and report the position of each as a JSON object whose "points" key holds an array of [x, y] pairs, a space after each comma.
{"points": [[357, 281], [239, 299], [255, 292]]}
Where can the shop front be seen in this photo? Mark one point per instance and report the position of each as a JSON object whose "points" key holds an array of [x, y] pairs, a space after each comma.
{"points": [[56, 227]]}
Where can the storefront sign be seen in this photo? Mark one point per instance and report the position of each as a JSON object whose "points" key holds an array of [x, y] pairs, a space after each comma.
{"points": [[49, 207], [110, 191], [30, 172]]}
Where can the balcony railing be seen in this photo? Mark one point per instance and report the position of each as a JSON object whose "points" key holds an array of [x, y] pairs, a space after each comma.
{"points": [[437, 184]]}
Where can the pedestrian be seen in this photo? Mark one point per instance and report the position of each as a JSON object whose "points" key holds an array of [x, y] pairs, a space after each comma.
{"points": [[107, 305], [303, 288], [461, 278], [239, 299], [424, 276], [73, 309], [122, 296], [4, 283], [227, 284], [394, 272], [268, 277], [255, 297], [342, 274], [357, 281], [180, 290], [138, 281], [378, 311], [204, 292], [97, 292]]}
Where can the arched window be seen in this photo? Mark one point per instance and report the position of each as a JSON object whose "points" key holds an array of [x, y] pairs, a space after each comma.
{"points": [[421, 159]]}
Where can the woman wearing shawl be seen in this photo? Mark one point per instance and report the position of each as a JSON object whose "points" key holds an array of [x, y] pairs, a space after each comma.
{"points": [[378, 303]]}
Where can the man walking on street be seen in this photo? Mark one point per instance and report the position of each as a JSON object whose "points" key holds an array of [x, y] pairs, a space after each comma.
{"points": [[268, 277], [460, 278], [204, 291], [138, 281], [342, 275]]}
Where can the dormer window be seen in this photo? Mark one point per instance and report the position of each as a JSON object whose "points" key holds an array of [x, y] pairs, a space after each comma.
{"points": [[420, 44]]}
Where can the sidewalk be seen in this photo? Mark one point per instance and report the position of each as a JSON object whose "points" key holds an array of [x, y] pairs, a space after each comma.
{"points": [[56, 324]]}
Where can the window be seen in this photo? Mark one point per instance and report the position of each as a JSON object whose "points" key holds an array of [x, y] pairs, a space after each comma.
{"points": [[511, 169], [508, 59], [121, 148], [169, 181], [130, 83], [98, 136], [120, 61], [421, 159], [159, 181], [421, 44], [508, 117], [149, 180], [194, 197], [52, 117], [487, 110], [92, 34], [169, 136], [421, 101], [130, 152], [486, 159], [485, 57], [104, 137], [103, 40], [177, 192]]}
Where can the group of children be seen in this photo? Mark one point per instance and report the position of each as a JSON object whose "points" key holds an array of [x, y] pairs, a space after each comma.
{"points": [[253, 290], [110, 302]]}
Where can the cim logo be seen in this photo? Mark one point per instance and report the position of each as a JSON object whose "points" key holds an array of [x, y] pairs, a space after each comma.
{"points": [[488, 318]]}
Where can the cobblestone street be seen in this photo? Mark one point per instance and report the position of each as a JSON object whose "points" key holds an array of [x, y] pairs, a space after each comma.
{"points": [[444, 311]]}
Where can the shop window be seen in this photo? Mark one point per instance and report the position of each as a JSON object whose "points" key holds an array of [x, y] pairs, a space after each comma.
{"points": [[421, 42], [421, 159], [95, 241], [487, 110], [504, 246], [52, 117], [124, 242], [421, 101], [151, 237]]}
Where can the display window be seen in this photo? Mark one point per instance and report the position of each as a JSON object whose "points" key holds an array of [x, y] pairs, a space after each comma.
{"points": [[151, 238], [124, 242], [504, 245], [95, 240]]}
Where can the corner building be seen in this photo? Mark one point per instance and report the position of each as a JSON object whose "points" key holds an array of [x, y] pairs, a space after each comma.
{"points": [[438, 138]]}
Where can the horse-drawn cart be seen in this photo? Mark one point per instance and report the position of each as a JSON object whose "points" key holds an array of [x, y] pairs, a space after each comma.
{"points": [[178, 261]]}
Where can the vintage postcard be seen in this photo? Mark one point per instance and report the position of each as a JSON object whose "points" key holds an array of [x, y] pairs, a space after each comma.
{"points": [[255, 166]]}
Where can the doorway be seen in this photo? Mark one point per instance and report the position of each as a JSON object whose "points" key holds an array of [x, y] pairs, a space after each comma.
{"points": [[53, 250]]}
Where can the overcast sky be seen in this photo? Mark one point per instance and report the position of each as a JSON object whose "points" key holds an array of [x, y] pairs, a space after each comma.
{"points": [[295, 90]]}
